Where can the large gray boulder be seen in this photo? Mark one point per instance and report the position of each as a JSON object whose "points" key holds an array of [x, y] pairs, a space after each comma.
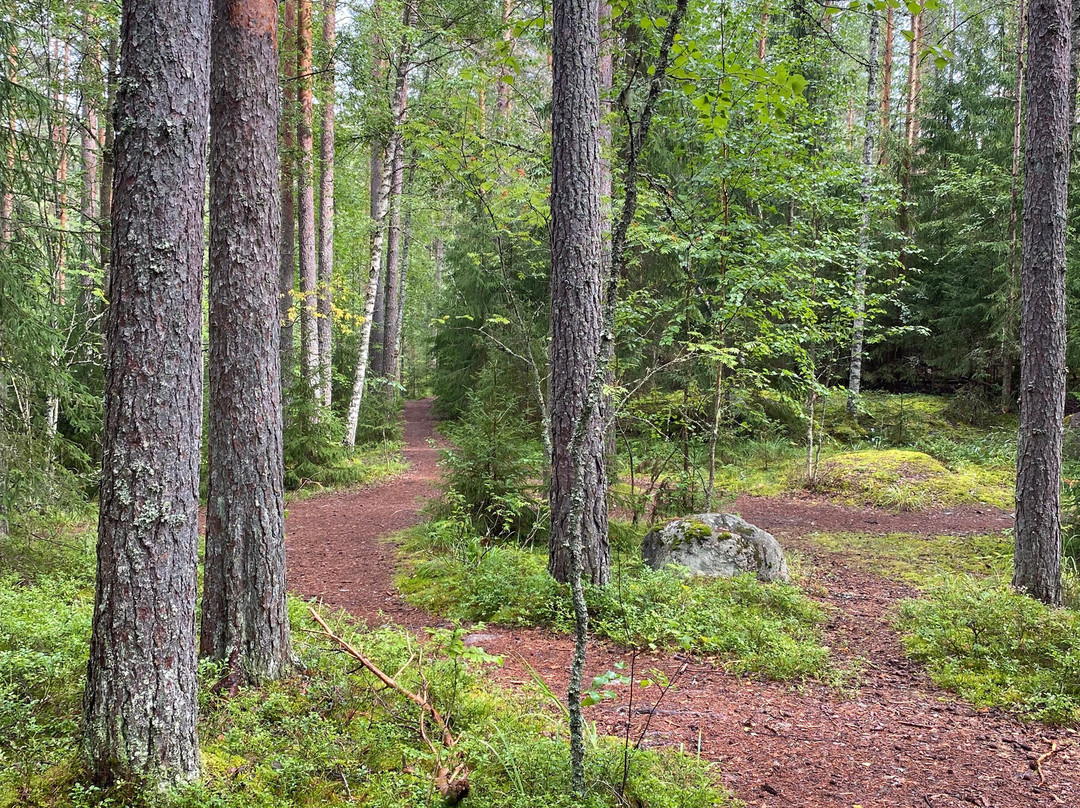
{"points": [[719, 544]]}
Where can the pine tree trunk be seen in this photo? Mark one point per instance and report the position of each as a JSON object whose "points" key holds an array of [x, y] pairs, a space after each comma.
{"points": [[911, 123], [870, 121], [245, 621], [140, 703], [1037, 540], [305, 197], [326, 205], [576, 293], [287, 269]]}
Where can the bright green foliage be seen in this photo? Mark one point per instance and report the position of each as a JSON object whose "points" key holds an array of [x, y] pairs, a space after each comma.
{"points": [[767, 629], [997, 648], [314, 454], [493, 464]]}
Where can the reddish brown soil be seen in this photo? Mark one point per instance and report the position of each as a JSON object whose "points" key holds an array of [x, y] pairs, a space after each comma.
{"points": [[894, 740]]}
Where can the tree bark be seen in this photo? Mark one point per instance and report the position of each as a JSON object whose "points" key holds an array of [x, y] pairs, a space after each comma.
{"points": [[287, 271], [576, 288], [308, 270], [394, 268], [870, 121], [140, 704], [1037, 540], [352, 418], [326, 205], [911, 123], [245, 621], [396, 156]]}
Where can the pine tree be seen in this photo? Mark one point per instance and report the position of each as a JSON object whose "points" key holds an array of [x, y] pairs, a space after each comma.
{"points": [[245, 621], [140, 704], [1037, 540]]}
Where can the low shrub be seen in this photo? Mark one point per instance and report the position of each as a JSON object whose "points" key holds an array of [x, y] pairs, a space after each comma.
{"points": [[997, 648], [768, 629]]}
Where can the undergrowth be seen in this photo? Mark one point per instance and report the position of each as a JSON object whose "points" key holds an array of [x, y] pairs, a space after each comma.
{"points": [[997, 648], [314, 456], [325, 737], [767, 629]]}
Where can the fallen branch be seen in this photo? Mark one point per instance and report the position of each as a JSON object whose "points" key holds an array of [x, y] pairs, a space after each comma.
{"points": [[452, 784], [1041, 759]]}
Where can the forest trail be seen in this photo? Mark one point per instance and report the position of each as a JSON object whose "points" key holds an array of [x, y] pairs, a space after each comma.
{"points": [[895, 740]]}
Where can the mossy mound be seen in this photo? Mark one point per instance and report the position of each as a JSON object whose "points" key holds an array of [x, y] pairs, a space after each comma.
{"points": [[905, 480]]}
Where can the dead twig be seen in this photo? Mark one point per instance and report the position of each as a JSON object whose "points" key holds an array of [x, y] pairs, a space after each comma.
{"points": [[452, 784], [1041, 759]]}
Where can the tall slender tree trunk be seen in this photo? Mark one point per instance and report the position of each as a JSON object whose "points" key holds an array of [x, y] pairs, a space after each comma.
{"points": [[576, 293], [305, 197], [911, 123], [352, 418], [886, 84], [90, 148], [1008, 329], [578, 547], [406, 241], [375, 177], [870, 120], [326, 204], [7, 200], [245, 620], [763, 37], [106, 183], [399, 106], [392, 294], [502, 97], [1037, 539], [287, 269], [61, 142], [140, 705], [394, 266]]}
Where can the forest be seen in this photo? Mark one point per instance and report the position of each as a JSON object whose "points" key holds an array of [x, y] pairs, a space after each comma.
{"points": [[588, 404]]}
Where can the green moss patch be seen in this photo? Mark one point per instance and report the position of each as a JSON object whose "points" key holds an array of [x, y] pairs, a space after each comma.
{"points": [[908, 480], [919, 559]]}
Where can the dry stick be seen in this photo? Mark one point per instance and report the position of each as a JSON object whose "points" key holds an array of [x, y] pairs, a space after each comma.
{"points": [[1054, 749], [452, 785], [593, 397]]}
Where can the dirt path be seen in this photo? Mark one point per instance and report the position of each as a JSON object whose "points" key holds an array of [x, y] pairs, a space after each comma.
{"points": [[895, 741]]}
